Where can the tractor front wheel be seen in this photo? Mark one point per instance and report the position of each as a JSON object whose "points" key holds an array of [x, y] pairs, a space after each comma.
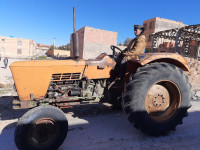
{"points": [[44, 127]]}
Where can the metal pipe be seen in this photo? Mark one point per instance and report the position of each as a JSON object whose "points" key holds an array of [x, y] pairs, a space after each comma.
{"points": [[74, 20], [75, 45]]}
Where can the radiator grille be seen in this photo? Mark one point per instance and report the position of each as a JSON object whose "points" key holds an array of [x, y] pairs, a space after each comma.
{"points": [[65, 76]]}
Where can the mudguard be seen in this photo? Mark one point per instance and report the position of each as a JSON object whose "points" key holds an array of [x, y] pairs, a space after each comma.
{"points": [[171, 58]]}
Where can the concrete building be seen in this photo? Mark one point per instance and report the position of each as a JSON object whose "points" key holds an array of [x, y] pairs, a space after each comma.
{"points": [[158, 24], [16, 47], [42, 47], [93, 42], [58, 53]]}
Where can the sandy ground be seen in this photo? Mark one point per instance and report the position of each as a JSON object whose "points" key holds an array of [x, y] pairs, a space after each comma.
{"points": [[98, 127]]}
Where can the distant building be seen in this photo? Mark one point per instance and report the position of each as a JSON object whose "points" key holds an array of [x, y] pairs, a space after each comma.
{"points": [[158, 24], [58, 53], [16, 47], [93, 42], [42, 47]]}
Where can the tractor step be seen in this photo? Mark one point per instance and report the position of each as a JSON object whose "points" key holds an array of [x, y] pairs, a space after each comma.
{"points": [[16, 106], [15, 102]]}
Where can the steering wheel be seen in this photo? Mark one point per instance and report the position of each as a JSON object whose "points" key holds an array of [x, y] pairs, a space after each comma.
{"points": [[114, 52]]}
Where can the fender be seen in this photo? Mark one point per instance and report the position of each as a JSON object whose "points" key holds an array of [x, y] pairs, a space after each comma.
{"points": [[147, 58], [143, 59]]}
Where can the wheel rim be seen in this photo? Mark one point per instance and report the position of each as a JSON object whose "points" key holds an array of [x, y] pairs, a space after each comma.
{"points": [[43, 132], [162, 100]]}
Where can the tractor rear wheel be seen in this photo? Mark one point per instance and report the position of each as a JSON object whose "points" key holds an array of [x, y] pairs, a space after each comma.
{"points": [[44, 127], [156, 98], [115, 98]]}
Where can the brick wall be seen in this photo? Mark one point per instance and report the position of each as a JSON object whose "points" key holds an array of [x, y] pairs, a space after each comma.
{"points": [[93, 42]]}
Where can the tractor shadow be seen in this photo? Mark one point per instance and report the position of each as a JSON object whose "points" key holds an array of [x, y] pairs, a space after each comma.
{"points": [[106, 129], [84, 110], [90, 110], [6, 109]]}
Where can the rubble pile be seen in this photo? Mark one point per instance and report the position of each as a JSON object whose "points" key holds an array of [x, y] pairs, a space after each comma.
{"points": [[194, 75]]}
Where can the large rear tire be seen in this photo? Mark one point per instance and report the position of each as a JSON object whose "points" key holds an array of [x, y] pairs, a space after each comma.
{"points": [[156, 98], [41, 128]]}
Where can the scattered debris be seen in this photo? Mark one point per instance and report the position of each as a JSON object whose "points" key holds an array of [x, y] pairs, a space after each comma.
{"points": [[194, 75], [196, 95]]}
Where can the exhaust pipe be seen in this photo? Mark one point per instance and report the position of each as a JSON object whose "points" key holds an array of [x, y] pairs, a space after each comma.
{"points": [[75, 45]]}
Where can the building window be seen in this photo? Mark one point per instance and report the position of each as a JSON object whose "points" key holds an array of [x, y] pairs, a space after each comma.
{"points": [[145, 26], [19, 51], [151, 25]]}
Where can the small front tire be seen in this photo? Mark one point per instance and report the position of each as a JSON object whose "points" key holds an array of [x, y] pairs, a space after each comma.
{"points": [[44, 127]]}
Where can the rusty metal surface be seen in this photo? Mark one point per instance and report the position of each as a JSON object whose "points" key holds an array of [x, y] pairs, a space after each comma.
{"points": [[162, 100], [100, 67], [157, 99], [102, 60], [171, 58], [182, 37]]}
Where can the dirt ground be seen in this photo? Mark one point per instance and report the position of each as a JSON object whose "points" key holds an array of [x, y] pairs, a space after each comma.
{"points": [[98, 127]]}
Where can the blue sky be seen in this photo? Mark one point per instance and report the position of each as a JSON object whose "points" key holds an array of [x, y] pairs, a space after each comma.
{"points": [[42, 20]]}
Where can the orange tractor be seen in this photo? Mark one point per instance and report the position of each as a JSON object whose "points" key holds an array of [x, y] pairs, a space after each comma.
{"points": [[154, 93]]}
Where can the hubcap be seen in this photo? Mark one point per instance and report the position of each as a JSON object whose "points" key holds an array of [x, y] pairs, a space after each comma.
{"points": [[162, 100], [158, 98]]}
